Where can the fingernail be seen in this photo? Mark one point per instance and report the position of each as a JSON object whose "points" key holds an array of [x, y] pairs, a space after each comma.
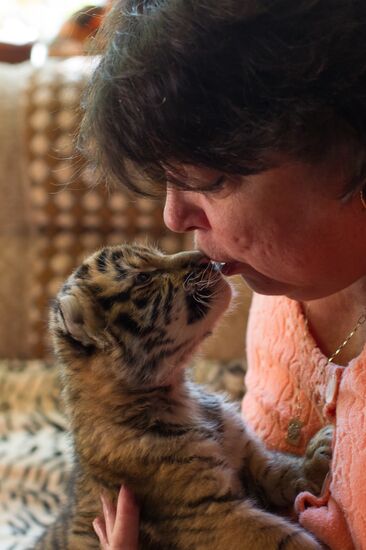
{"points": [[104, 505], [96, 527]]}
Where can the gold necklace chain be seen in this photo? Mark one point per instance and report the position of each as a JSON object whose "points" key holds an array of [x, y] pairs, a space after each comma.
{"points": [[296, 423], [361, 321]]}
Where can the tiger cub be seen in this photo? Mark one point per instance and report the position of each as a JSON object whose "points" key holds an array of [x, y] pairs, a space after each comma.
{"points": [[124, 326]]}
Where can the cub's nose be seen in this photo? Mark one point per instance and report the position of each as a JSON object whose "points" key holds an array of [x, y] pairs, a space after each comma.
{"points": [[190, 258]]}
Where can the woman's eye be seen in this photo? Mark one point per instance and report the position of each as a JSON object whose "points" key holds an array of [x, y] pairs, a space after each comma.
{"points": [[218, 184], [143, 277], [221, 184]]}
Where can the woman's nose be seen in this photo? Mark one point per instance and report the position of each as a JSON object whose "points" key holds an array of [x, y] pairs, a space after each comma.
{"points": [[183, 211]]}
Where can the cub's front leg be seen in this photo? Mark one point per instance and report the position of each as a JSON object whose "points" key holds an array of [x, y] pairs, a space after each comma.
{"points": [[242, 526], [279, 477]]}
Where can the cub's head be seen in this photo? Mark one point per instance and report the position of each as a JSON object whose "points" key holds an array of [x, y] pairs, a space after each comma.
{"points": [[146, 312]]}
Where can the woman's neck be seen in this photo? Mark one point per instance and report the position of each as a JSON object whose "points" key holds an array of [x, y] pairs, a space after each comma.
{"points": [[331, 320]]}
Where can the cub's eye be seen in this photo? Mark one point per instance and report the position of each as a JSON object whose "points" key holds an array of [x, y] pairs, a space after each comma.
{"points": [[143, 277]]}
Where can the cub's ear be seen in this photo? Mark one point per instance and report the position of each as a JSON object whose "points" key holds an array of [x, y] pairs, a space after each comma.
{"points": [[73, 319]]}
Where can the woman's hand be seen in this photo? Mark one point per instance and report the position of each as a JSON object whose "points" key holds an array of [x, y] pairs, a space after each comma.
{"points": [[119, 528]]}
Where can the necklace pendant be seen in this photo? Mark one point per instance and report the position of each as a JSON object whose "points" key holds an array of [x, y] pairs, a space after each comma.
{"points": [[331, 390], [294, 432]]}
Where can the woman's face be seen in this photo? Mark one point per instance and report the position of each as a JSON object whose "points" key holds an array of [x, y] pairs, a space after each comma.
{"points": [[285, 230]]}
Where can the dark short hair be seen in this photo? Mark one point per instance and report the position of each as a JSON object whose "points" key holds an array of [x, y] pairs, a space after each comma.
{"points": [[226, 84]]}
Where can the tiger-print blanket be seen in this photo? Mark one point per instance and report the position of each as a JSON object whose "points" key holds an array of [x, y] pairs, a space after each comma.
{"points": [[34, 451], [35, 456]]}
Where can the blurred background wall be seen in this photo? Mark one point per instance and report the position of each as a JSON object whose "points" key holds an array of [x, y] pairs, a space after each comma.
{"points": [[51, 213]]}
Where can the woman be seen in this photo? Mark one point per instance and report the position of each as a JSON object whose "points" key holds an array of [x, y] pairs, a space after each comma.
{"points": [[250, 116]]}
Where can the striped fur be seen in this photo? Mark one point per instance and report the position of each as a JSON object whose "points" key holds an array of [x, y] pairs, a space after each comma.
{"points": [[124, 326]]}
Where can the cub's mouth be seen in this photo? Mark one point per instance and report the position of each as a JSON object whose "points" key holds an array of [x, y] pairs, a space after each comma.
{"points": [[201, 287], [214, 265], [203, 275], [219, 266], [229, 268]]}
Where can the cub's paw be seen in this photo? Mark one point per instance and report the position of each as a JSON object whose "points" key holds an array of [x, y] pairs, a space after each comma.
{"points": [[318, 456]]}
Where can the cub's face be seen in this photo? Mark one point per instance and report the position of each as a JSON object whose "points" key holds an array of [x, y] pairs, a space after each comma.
{"points": [[148, 311]]}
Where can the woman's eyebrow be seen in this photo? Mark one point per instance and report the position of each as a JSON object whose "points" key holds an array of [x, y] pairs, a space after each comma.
{"points": [[171, 177]]}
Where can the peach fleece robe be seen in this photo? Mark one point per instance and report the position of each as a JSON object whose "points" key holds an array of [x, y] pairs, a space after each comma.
{"points": [[290, 384]]}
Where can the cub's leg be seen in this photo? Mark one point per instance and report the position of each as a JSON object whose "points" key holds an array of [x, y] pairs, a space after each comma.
{"points": [[259, 530], [71, 535], [224, 522], [73, 528]]}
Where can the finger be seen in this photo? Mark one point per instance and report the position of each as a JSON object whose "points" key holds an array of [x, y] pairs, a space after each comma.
{"points": [[109, 515], [99, 528], [127, 520]]}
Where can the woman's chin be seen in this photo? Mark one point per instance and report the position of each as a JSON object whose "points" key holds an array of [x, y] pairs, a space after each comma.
{"points": [[262, 284], [269, 287]]}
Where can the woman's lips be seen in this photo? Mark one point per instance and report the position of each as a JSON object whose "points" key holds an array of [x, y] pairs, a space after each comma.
{"points": [[228, 268], [256, 280], [248, 272], [232, 268]]}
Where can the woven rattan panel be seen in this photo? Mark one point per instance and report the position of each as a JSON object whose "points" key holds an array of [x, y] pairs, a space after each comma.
{"points": [[69, 216]]}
